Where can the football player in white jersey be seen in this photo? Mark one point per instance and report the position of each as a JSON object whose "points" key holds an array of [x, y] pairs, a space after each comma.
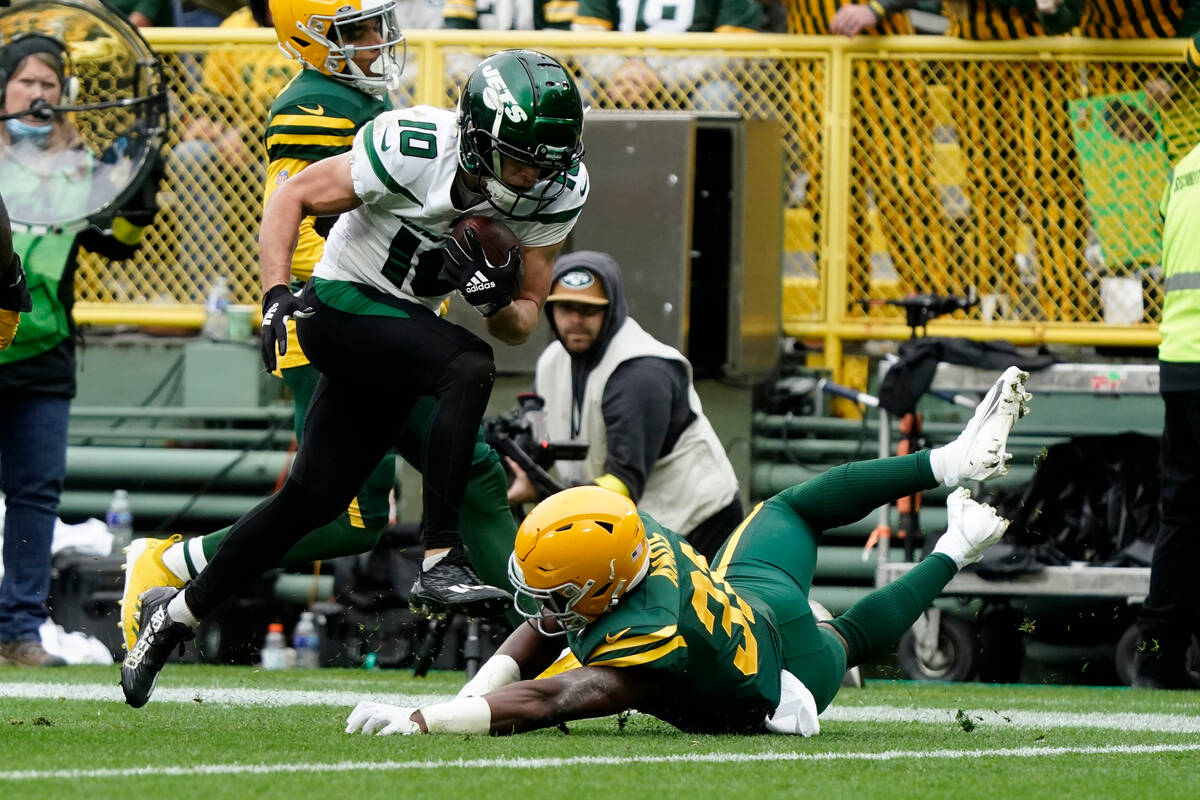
{"points": [[368, 321]]}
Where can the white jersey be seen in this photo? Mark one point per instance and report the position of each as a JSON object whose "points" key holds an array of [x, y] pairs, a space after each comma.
{"points": [[403, 164]]}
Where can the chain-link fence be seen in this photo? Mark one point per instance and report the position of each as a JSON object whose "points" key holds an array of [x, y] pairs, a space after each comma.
{"points": [[1028, 171]]}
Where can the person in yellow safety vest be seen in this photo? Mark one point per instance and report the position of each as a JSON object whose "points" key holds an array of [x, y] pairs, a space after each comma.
{"points": [[1170, 617]]}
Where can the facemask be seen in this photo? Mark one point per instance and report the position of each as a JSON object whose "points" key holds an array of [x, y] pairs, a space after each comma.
{"points": [[19, 129]]}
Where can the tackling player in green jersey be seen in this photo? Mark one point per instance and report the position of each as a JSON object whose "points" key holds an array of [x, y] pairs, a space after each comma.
{"points": [[726, 647]]}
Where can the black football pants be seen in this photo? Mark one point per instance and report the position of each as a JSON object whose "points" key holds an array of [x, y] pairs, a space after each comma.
{"points": [[373, 370], [1171, 613]]}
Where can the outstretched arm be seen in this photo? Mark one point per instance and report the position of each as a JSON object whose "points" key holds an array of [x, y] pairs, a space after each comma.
{"points": [[525, 705], [575, 694]]}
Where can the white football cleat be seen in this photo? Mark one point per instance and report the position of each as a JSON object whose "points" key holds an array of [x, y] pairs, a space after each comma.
{"points": [[979, 451], [971, 528]]}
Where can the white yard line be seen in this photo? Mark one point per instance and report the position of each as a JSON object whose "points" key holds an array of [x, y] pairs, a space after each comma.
{"points": [[558, 763], [1165, 723], [215, 695]]}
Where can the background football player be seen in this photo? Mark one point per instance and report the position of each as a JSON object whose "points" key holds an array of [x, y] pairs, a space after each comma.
{"points": [[512, 151], [731, 647]]}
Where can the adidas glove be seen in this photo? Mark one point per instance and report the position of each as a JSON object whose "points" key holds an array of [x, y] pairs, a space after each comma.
{"points": [[486, 286], [279, 304]]}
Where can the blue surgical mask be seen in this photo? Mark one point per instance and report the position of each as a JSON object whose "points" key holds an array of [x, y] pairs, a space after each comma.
{"points": [[19, 129]]}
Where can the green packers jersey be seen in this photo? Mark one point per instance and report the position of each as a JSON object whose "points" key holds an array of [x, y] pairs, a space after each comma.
{"points": [[509, 15], [315, 117], [715, 655], [723, 16]]}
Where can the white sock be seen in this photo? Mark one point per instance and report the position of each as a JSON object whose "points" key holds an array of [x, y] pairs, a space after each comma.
{"points": [[943, 462], [196, 551], [178, 610], [429, 561], [174, 561]]}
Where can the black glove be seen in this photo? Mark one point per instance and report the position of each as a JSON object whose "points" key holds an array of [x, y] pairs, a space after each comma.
{"points": [[486, 286], [279, 304], [14, 294]]}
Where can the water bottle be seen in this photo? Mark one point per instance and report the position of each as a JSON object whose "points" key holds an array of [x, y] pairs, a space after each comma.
{"points": [[273, 655], [306, 642], [119, 519], [216, 309]]}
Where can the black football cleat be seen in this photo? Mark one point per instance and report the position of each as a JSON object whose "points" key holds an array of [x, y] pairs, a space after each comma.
{"points": [[158, 635], [451, 587]]}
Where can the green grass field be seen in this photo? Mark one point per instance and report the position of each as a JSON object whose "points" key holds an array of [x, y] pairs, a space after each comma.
{"points": [[236, 732]]}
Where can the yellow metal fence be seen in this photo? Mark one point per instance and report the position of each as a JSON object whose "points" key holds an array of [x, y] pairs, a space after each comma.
{"points": [[1030, 171]]}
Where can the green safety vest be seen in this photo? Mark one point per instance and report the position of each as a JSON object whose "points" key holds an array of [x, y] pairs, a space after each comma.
{"points": [[45, 257], [1180, 328]]}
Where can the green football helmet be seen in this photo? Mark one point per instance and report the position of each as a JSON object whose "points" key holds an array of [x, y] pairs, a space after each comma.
{"points": [[522, 105]]}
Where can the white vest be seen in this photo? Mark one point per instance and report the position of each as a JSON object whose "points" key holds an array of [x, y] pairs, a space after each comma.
{"points": [[686, 486]]}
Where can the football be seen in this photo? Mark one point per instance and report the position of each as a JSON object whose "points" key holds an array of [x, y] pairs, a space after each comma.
{"points": [[496, 237]]}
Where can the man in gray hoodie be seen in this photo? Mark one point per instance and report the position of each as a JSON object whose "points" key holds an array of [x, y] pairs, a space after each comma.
{"points": [[631, 397]]}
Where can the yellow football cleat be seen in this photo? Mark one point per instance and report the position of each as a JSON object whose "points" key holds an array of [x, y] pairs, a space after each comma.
{"points": [[144, 569]]}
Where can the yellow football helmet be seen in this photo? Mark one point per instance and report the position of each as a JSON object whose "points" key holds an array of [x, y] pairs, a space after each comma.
{"points": [[326, 34], [576, 554]]}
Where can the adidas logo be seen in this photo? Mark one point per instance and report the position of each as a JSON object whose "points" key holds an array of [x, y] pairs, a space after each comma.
{"points": [[478, 283], [461, 588], [134, 659]]}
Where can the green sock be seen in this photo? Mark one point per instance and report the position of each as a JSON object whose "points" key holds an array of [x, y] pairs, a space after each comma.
{"points": [[872, 625], [487, 524], [849, 492]]}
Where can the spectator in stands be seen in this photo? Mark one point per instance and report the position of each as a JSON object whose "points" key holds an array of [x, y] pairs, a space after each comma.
{"points": [[203, 13], [890, 163], [1178, 101], [998, 103], [43, 159], [631, 397], [1170, 617], [146, 13], [216, 167], [509, 15], [641, 83]]}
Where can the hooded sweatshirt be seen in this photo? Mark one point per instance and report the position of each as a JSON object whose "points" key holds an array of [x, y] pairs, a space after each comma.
{"points": [[631, 397]]}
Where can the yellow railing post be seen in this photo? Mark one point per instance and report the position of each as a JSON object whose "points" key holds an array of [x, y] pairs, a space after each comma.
{"points": [[835, 194]]}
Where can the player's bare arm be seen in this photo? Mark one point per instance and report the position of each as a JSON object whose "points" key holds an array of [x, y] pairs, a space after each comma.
{"points": [[528, 705], [323, 189], [515, 323], [580, 693]]}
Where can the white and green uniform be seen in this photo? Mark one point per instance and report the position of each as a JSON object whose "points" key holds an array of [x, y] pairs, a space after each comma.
{"points": [[403, 165]]}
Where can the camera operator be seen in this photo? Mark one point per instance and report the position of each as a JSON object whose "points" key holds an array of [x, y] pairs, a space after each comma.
{"points": [[631, 397], [45, 165]]}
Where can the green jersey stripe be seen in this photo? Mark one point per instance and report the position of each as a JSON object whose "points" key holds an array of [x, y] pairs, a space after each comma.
{"points": [[561, 216], [303, 152]]}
